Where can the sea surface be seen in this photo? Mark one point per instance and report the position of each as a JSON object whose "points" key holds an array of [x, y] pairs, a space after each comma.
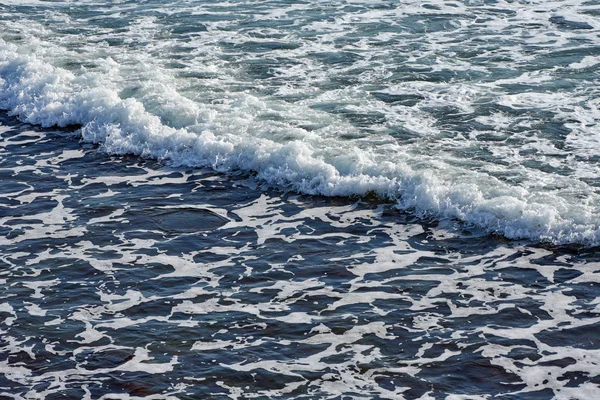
{"points": [[334, 199]]}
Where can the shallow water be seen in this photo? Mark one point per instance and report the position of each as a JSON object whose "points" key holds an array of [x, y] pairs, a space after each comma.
{"points": [[126, 277]]}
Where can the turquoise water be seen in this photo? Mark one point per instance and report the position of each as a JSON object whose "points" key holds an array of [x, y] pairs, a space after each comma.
{"points": [[299, 199]]}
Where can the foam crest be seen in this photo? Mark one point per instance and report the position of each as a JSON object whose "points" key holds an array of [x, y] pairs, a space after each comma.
{"points": [[481, 150]]}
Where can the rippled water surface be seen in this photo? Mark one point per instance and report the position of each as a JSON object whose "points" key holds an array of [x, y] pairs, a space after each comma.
{"points": [[126, 277], [299, 199]]}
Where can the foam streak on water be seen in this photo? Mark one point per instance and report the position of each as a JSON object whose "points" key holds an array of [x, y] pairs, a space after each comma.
{"points": [[483, 112], [125, 278]]}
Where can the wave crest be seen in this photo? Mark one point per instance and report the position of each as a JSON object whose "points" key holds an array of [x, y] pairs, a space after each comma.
{"points": [[270, 138]]}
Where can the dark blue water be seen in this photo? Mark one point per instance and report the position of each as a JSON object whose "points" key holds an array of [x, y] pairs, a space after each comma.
{"points": [[318, 199], [123, 276]]}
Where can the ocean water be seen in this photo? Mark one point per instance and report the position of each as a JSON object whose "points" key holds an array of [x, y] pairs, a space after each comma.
{"points": [[300, 199]]}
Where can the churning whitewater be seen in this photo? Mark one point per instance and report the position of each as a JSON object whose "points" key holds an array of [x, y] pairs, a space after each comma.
{"points": [[482, 112], [307, 199]]}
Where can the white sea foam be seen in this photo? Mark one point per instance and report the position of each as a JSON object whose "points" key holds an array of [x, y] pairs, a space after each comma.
{"points": [[292, 130], [319, 298]]}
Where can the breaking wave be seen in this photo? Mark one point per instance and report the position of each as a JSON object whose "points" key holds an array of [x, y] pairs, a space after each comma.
{"points": [[326, 142]]}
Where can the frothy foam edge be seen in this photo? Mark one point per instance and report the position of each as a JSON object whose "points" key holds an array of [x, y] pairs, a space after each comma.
{"points": [[234, 137]]}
